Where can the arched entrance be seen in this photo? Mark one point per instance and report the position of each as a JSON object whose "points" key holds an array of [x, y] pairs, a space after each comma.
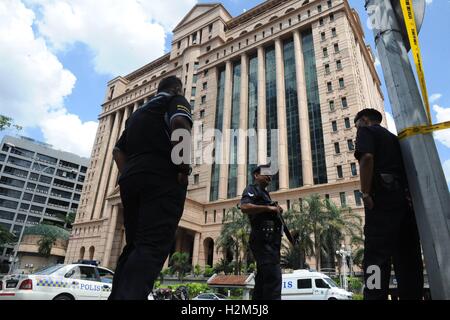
{"points": [[208, 249]]}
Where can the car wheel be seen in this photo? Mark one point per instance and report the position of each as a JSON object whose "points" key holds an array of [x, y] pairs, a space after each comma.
{"points": [[64, 297]]}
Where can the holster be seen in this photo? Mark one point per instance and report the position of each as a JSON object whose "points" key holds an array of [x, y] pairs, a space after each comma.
{"points": [[388, 182]]}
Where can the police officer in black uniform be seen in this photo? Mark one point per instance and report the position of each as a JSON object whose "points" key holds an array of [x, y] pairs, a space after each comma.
{"points": [[152, 187], [391, 235], [266, 234]]}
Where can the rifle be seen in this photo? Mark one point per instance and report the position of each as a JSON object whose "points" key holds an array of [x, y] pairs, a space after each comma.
{"points": [[285, 228]]}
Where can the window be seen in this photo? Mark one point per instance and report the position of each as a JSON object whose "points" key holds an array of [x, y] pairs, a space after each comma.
{"points": [[196, 179], [336, 48], [206, 217], [179, 45], [351, 145], [325, 52], [329, 4], [341, 83], [205, 85], [12, 182], [358, 198], [196, 65], [323, 36], [192, 104], [337, 149], [210, 28], [194, 79], [330, 86], [331, 17], [321, 22], [8, 204], [344, 103], [27, 196], [19, 162], [343, 199], [304, 284], [187, 67], [194, 38], [203, 99], [320, 284], [347, 123], [202, 114], [327, 69], [331, 105], [105, 275], [339, 65], [208, 48], [319, 8], [10, 193], [193, 92], [334, 125], [88, 273], [39, 199], [45, 179], [339, 172], [354, 169], [333, 32]]}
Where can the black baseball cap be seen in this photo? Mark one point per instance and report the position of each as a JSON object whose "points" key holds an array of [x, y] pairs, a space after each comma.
{"points": [[372, 114]]}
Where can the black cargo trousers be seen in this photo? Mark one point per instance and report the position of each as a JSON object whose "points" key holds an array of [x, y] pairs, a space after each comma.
{"points": [[265, 243], [152, 211], [392, 238]]}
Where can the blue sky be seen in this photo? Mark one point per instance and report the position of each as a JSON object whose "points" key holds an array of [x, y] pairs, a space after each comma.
{"points": [[77, 54]]}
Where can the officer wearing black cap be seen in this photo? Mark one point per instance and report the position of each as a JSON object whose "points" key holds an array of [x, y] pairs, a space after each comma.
{"points": [[153, 187], [391, 234], [266, 234]]}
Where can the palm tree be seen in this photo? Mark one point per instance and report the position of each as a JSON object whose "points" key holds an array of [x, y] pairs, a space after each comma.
{"points": [[180, 264], [295, 257], [6, 237], [235, 237], [340, 222], [319, 225], [46, 244], [69, 219]]}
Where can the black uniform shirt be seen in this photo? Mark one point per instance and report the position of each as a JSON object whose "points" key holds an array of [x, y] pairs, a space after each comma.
{"points": [[146, 138], [384, 146], [254, 194]]}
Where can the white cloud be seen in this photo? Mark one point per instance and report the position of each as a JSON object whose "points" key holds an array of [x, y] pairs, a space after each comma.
{"points": [[391, 123], [123, 35], [435, 97], [429, 2], [442, 115], [66, 132], [34, 83], [446, 167]]}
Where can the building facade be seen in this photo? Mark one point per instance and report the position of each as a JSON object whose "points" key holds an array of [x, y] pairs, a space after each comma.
{"points": [[299, 67], [37, 184]]}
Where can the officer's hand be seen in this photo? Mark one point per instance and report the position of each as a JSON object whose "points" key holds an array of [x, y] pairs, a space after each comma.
{"points": [[275, 210], [280, 209], [183, 179], [368, 203]]}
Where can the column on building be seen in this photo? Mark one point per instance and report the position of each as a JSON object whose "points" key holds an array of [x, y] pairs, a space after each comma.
{"points": [[115, 171], [262, 125], [243, 125], [223, 180], [110, 236], [305, 135], [196, 250], [282, 127], [104, 176]]}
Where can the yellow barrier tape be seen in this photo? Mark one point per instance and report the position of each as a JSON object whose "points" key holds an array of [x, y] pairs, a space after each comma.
{"points": [[413, 35]]}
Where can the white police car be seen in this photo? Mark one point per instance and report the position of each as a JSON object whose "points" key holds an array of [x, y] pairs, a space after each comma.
{"points": [[59, 282], [308, 285]]}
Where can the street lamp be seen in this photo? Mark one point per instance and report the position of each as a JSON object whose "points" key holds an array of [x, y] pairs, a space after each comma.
{"points": [[344, 254]]}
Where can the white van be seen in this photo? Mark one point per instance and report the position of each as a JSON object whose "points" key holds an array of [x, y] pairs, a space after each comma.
{"points": [[308, 285]]}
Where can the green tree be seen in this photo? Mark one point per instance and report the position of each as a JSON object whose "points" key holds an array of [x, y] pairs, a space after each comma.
{"points": [[197, 270], [46, 244], [69, 219], [235, 237], [6, 123], [180, 264], [319, 226], [209, 271], [6, 237], [224, 266]]}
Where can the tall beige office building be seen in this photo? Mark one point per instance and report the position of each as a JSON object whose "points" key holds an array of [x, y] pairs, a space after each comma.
{"points": [[298, 66]]}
